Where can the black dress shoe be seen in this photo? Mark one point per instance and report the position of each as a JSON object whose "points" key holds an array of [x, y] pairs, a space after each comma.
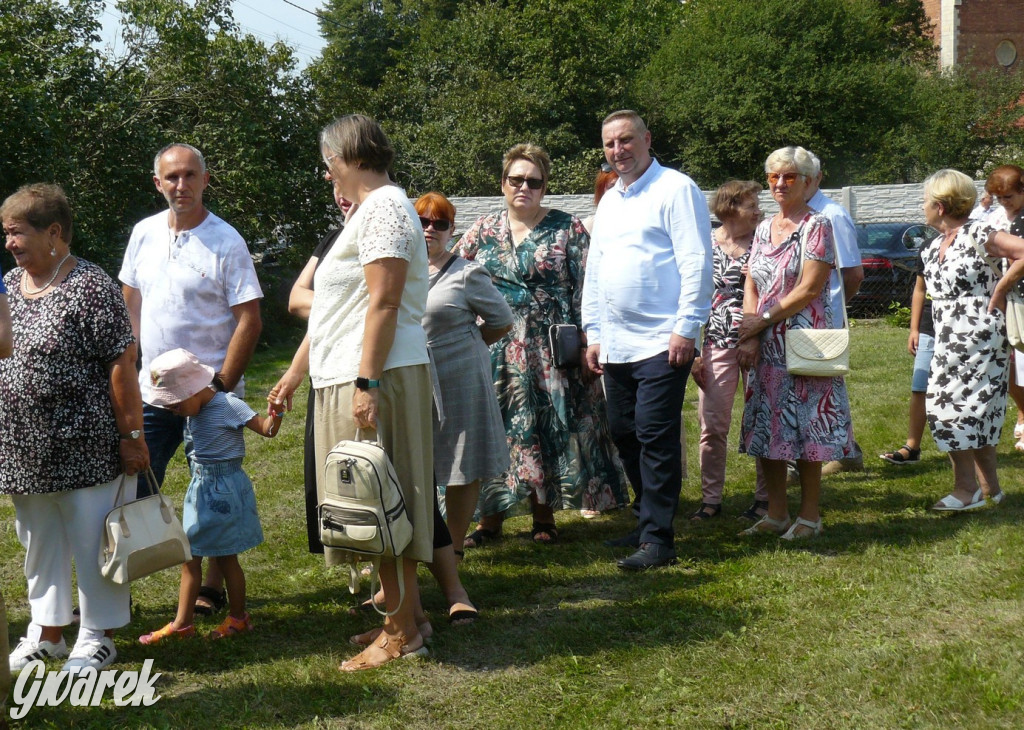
{"points": [[650, 555], [631, 540]]}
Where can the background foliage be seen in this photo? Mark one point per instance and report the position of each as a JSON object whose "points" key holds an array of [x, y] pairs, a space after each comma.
{"points": [[456, 82]]}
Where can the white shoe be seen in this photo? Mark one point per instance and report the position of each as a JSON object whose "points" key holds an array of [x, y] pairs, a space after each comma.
{"points": [[27, 651], [1018, 431], [91, 653]]}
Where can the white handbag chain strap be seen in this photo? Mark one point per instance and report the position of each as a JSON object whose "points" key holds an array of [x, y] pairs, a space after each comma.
{"points": [[839, 273]]}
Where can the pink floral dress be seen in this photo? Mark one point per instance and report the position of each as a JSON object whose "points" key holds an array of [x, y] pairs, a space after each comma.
{"points": [[557, 427], [793, 416]]}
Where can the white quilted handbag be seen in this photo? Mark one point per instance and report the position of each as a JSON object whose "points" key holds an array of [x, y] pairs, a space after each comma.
{"points": [[816, 352]]}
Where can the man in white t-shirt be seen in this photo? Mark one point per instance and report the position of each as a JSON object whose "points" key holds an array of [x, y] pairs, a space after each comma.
{"points": [[848, 266], [189, 282]]}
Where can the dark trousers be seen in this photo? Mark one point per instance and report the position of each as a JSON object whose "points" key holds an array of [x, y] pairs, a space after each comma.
{"points": [[644, 401], [164, 432]]}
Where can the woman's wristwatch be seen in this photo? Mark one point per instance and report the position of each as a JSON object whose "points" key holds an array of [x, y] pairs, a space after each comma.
{"points": [[366, 383], [766, 316]]}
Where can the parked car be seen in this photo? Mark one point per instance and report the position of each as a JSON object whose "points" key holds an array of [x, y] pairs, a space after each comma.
{"points": [[888, 253]]}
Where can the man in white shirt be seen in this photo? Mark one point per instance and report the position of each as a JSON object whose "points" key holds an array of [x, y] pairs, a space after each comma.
{"points": [[848, 266], [188, 281], [646, 295]]}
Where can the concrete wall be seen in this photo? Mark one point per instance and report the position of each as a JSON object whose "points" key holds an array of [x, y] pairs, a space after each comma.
{"points": [[866, 203]]}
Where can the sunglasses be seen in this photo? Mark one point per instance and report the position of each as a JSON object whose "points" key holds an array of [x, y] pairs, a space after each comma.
{"points": [[516, 181], [439, 224], [787, 177]]}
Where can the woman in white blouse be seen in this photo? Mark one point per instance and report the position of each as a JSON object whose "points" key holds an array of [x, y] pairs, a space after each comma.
{"points": [[368, 353]]}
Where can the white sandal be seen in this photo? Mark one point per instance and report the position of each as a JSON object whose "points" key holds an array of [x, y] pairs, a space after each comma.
{"points": [[1018, 431], [770, 525], [1019, 445], [791, 533]]}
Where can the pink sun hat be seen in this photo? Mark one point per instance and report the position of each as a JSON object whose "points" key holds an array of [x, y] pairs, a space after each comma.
{"points": [[176, 376]]}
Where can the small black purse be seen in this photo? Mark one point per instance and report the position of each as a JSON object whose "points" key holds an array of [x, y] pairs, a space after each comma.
{"points": [[566, 344]]}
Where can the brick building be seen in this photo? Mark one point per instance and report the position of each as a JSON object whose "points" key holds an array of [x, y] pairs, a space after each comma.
{"points": [[982, 33]]}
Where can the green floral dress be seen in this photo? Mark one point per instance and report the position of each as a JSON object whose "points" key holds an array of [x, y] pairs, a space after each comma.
{"points": [[557, 427]]}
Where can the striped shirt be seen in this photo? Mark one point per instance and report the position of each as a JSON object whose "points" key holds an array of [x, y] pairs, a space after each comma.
{"points": [[216, 432]]}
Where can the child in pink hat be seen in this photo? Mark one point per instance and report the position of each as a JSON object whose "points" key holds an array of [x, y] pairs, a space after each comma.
{"points": [[219, 515]]}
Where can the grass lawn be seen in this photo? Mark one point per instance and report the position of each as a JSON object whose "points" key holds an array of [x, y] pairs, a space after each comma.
{"points": [[895, 618]]}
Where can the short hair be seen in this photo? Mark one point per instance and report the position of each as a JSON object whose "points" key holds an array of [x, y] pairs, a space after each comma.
{"points": [[1004, 180], [40, 205], [632, 116], [817, 163], [601, 182], [531, 153], [359, 140], [954, 190], [164, 150], [791, 156], [726, 201], [435, 205]]}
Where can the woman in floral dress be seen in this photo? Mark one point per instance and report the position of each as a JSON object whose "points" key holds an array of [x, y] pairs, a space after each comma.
{"points": [[561, 452], [966, 399], [790, 417]]}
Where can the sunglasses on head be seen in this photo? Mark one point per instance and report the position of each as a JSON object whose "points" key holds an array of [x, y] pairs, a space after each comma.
{"points": [[439, 224], [516, 181], [787, 177]]}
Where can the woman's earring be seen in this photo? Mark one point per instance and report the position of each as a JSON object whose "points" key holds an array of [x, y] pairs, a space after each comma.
{"points": [[53, 251]]}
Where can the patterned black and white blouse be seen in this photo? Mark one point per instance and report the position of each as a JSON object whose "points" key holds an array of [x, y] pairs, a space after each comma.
{"points": [[722, 329], [57, 427]]}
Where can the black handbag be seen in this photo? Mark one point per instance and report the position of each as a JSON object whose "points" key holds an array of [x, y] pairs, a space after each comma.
{"points": [[566, 344]]}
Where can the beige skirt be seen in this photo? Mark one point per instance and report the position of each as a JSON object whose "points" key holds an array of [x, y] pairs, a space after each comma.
{"points": [[407, 434]]}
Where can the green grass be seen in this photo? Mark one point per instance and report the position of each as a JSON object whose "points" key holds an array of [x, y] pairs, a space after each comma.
{"points": [[895, 618]]}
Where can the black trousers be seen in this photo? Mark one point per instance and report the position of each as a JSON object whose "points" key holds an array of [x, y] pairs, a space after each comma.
{"points": [[644, 401]]}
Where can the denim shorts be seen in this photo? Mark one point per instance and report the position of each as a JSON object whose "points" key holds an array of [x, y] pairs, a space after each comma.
{"points": [[922, 363], [219, 514]]}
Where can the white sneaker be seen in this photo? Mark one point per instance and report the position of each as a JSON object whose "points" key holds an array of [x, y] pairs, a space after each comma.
{"points": [[28, 650], [91, 653]]}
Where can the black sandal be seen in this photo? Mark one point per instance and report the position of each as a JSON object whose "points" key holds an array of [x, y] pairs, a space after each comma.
{"points": [[217, 600], [479, 537], [703, 514], [550, 530], [755, 511], [896, 457]]}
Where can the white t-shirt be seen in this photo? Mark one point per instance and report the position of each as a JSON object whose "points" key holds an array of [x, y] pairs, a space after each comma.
{"points": [[845, 232], [188, 286], [385, 225]]}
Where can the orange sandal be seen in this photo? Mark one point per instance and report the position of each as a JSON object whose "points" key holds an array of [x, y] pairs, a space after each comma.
{"points": [[231, 626], [167, 632], [392, 647]]}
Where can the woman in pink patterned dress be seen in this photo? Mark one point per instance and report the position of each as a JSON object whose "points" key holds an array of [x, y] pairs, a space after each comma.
{"points": [[790, 417]]}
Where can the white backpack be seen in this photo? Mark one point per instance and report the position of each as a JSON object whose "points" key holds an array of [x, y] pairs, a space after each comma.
{"points": [[363, 511]]}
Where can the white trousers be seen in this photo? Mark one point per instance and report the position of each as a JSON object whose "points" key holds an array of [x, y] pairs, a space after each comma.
{"points": [[56, 528]]}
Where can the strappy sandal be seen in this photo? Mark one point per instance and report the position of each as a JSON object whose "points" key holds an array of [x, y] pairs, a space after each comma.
{"points": [[392, 647], [767, 525], [540, 529], [368, 637], [755, 511], [167, 632], [706, 512], [231, 626], [804, 525], [215, 601], [896, 457], [479, 537]]}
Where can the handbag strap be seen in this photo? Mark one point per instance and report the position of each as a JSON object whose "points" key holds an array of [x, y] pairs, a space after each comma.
{"points": [[150, 476], [800, 274]]}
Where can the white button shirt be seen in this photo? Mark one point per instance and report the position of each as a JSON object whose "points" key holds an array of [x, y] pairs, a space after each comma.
{"points": [[649, 267]]}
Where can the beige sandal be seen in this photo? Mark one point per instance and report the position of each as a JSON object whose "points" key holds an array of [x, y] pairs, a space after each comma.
{"points": [[767, 524], [806, 527], [385, 649]]}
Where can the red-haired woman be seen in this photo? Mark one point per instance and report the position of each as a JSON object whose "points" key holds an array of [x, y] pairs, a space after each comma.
{"points": [[469, 435]]}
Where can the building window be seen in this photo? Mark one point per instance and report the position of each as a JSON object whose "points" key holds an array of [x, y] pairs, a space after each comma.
{"points": [[1006, 53]]}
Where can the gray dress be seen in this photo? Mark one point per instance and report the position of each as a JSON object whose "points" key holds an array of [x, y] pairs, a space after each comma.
{"points": [[470, 442]]}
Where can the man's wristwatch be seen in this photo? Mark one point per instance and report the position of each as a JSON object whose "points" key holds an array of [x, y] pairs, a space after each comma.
{"points": [[132, 435], [366, 383]]}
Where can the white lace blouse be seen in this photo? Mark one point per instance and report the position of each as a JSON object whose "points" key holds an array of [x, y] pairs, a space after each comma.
{"points": [[384, 226]]}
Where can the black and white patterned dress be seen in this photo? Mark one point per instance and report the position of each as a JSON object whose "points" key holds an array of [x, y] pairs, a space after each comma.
{"points": [[966, 399]]}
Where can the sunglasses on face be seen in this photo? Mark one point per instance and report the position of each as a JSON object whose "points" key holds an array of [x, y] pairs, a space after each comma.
{"points": [[439, 224], [787, 177], [516, 181]]}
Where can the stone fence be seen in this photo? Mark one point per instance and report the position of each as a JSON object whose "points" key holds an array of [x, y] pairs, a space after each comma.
{"points": [[866, 203]]}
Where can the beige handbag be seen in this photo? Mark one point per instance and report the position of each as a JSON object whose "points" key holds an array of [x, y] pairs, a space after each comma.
{"points": [[823, 353], [141, 537]]}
